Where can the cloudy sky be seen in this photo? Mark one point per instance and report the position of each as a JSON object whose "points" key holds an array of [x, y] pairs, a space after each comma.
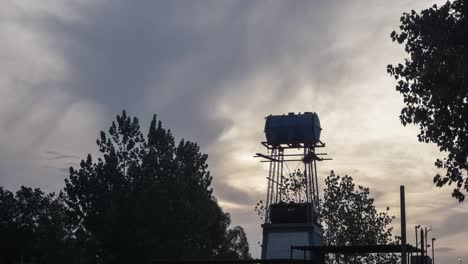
{"points": [[212, 70]]}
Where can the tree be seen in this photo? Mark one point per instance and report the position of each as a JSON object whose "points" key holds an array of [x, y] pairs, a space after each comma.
{"points": [[433, 82], [348, 215], [34, 227], [146, 199], [350, 218], [292, 189], [235, 245]]}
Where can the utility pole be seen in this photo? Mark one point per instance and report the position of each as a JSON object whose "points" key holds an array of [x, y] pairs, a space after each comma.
{"points": [[425, 234], [433, 259], [403, 224], [422, 247], [416, 237]]}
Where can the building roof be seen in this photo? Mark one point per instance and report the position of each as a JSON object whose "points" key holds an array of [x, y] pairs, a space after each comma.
{"points": [[357, 249]]}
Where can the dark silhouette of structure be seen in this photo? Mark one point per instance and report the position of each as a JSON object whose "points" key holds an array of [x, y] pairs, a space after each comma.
{"points": [[291, 138]]}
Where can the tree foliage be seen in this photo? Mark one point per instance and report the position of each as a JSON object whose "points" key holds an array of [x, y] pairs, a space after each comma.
{"points": [[147, 199], [235, 245], [292, 189], [348, 215], [34, 227], [142, 199], [350, 218], [433, 82]]}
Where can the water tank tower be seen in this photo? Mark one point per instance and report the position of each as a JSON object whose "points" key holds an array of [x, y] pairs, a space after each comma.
{"points": [[291, 142]]}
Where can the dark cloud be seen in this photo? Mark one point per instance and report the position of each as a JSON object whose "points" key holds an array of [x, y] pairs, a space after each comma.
{"points": [[24, 168], [173, 58], [169, 56], [57, 155], [453, 223]]}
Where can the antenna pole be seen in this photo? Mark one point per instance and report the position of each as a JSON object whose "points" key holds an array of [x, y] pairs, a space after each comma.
{"points": [[403, 224]]}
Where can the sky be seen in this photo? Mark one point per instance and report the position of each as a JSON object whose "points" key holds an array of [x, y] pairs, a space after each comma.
{"points": [[211, 71]]}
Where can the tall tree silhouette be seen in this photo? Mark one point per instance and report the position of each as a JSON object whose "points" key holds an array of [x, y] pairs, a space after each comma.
{"points": [[433, 82], [147, 198]]}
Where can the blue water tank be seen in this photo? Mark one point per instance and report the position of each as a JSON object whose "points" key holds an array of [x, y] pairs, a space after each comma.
{"points": [[292, 129]]}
